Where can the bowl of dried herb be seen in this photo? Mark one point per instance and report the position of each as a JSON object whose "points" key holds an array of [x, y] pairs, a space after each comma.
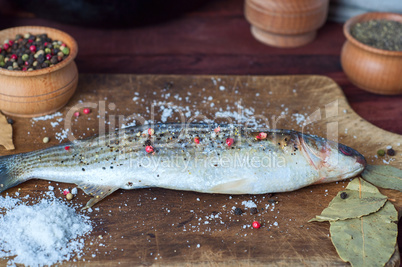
{"points": [[371, 56], [38, 74]]}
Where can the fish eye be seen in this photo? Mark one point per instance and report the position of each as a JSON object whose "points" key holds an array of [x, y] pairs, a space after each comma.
{"points": [[347, 151]]}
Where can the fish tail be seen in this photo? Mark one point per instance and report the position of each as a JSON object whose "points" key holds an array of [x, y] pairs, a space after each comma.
{"points": [[9, 176]]}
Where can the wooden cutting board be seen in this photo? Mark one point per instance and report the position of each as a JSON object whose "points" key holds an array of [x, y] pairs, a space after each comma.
{"points": [[166, 227]]}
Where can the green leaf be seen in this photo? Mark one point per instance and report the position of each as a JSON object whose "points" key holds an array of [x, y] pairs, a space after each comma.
{"points": [[384, 176], [369, 240], [362, 199]]}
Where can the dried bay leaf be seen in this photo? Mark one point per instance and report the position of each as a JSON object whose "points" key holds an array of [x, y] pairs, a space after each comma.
{"points": [[362, 199], [369, 240], [6, 133], [384, 176]]}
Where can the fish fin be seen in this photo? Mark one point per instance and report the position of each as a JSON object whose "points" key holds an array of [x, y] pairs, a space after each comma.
{"points": [[8, 177], [241, 186], [98, 192]]}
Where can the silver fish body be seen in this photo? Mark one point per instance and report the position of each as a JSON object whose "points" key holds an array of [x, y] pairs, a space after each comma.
{"points": [[207, 158]]}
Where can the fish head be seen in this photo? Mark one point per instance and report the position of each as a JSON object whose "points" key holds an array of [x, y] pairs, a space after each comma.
{"points": [[333, 160]]}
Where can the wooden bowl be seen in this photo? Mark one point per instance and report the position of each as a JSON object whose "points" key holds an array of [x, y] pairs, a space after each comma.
{"points": [[38, 92], [285, 23], [375, 70]]}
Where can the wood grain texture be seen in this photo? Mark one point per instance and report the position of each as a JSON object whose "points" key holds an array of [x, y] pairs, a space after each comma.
{"points": [[165, 227], [38, 92], [213, 40], [375, 70]]}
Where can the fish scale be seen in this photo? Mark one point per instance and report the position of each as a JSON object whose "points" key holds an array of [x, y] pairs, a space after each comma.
{"points": [[277, 161]]}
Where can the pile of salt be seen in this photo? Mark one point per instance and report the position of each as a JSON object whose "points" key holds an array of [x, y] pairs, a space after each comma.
{"points": [[45, 233]]}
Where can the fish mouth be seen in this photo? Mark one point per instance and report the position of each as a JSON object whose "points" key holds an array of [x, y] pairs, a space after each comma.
{"points": [[361, 160], [354, 172], [350, 174]]}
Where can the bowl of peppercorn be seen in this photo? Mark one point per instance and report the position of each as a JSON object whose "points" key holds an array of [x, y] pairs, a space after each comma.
{"points": [[38, 74], [371, 57]]}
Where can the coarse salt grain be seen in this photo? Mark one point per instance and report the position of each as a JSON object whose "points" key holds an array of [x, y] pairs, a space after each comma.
{"points": [[249, 204], [47, 117]]}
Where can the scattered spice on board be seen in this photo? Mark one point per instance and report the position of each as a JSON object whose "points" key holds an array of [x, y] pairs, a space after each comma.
{"points": [[32, 52], [256, 225], [253, 211], [261, 136], [381, 152], [381, 34], [238, 211], [229, 141], [390, 152], [69, 196], [149, 149]]}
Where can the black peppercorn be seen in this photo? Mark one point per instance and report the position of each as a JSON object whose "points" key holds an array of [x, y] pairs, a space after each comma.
{"points": [[41, 59], [390, 152], [238, 211], [54, 60], [253, 211], [344, 195]]}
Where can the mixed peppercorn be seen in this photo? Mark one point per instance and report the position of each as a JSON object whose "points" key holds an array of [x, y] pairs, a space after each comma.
{"points": [[32, 52]]}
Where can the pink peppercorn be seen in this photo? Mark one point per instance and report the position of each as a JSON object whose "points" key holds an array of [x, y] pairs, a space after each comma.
{"points": [[229, 142], [65, 192], [26, 63], [6, 46], [197, 140], [48, 56], [86, 110], [30, 41], [261, 136], [0, 49], [32, 48], [11, 42], [67, 147], [256, 225], [76, 114], [24, 68], [14, 56], [149, 149]]}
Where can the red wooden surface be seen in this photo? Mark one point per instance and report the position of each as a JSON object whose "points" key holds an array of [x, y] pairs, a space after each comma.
{"points": [[216, 40]]}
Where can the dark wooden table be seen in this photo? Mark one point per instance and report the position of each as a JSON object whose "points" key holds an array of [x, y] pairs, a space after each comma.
{"points": [[216, 40]]}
